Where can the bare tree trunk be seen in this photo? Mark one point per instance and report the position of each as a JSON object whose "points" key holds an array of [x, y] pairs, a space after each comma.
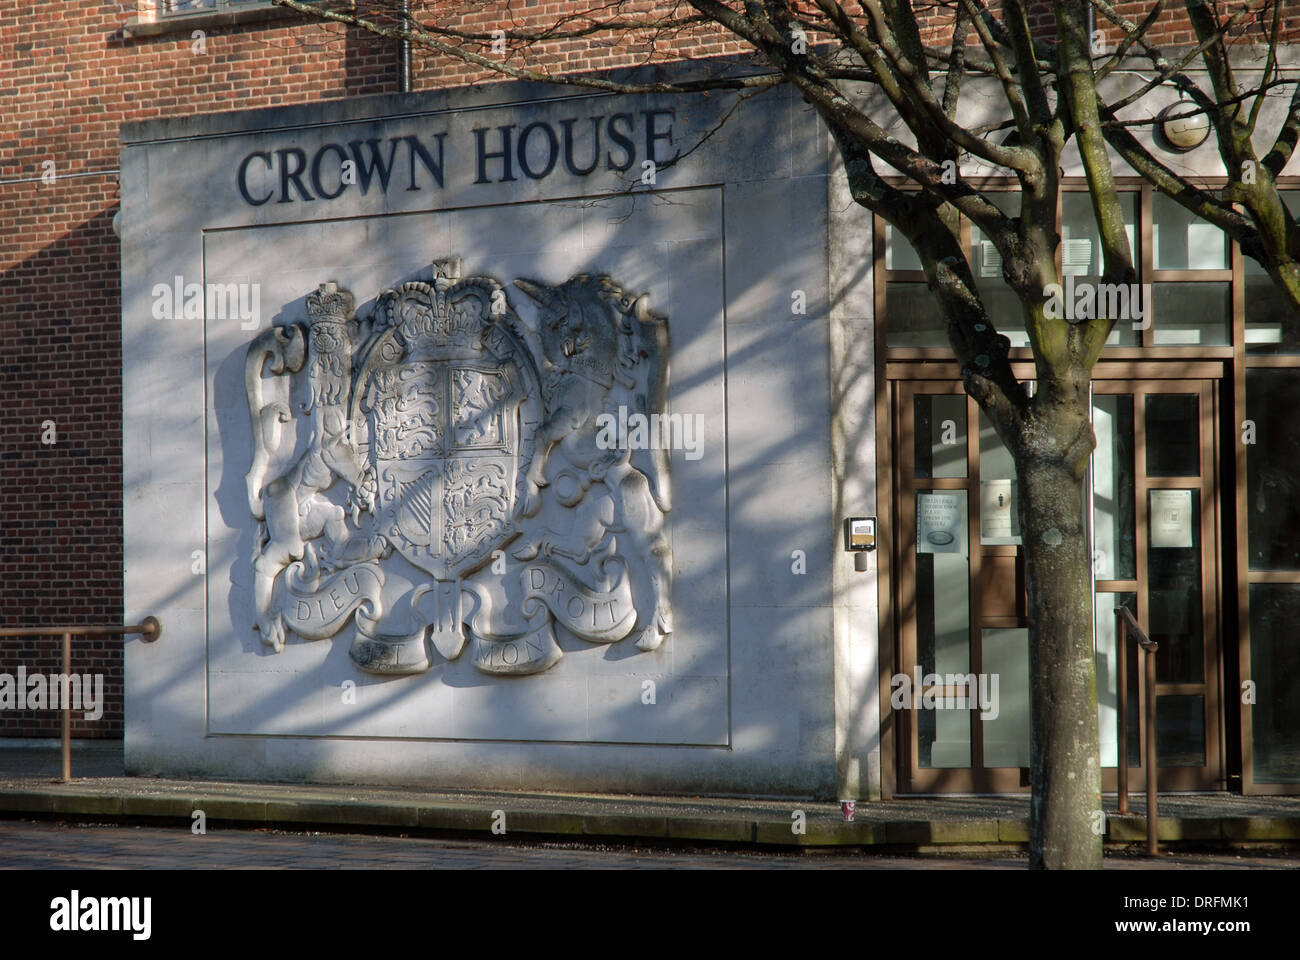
{"points": [[1065, 810]]}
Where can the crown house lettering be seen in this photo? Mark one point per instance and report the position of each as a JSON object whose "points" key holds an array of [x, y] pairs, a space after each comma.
{"points": [[494, 153]]}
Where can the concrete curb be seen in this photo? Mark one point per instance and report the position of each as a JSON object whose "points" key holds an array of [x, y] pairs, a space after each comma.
{"points": [[725, 828]]}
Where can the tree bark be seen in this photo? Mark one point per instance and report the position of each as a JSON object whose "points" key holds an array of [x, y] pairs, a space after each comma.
{"points": [[1056, 441]]}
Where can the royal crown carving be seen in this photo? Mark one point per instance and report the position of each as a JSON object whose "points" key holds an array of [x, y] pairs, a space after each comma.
{"points": [[428, 478]]}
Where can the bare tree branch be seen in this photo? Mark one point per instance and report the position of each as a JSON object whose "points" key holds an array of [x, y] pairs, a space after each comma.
{"points": [[418, 35], [956, 61]]}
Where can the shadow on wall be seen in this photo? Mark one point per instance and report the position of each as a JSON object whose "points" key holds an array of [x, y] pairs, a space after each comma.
{"points": [[61, 408], [774, 556], [61, 443], [369, 63]]}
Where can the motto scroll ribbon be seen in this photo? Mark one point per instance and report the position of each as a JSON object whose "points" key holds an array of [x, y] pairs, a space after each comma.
{"points": [[594, 615], [506, 638], [319, 614], [510, 639]]}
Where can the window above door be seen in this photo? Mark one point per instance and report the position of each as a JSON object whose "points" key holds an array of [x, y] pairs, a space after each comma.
{"points": [[1199, 285]]}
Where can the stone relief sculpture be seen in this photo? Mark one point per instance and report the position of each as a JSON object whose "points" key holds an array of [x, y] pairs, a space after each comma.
{"points": [[431, 477]]}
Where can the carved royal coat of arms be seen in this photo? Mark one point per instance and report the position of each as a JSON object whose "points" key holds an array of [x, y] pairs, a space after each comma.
{"points": [[431, 477]]}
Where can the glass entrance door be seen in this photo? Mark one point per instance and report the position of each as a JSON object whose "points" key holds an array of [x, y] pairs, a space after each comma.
{"points": [[1155, 549], [961, 698]]}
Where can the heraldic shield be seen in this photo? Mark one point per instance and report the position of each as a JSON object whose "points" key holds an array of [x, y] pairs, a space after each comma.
{"points": [[445, 430], [444, 397]]}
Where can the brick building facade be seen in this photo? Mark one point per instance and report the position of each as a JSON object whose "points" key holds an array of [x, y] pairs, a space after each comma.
{"points": [[70, 75]]}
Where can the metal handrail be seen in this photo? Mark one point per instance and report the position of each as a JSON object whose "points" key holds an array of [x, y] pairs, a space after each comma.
{"points": [[150, 629], [1127, 624]]}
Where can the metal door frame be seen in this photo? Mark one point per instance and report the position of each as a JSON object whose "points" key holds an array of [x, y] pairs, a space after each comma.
{"points": [[898, 576]]}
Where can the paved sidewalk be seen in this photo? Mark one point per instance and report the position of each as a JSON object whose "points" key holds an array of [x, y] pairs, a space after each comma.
{"points": [[29, 787], [52, 845]]}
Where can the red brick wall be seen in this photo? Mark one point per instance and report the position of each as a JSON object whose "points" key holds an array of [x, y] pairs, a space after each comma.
{"points": [[68, 79], [1171, 29]]}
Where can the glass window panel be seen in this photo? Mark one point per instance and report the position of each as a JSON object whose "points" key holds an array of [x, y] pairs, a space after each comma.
{"points": [[1174, 584], [1183, 241], [1113, 523], [1180, 729], [1081, 255], [178, 7], [1003, 306], [1081, 240], [925, 737], [1271, 325], [1005, 310], [942, 627], [1192, 314], [996, 461], [1123, 334], [951, 725], [1273, 469], [1106, 632], [1275, 668], [899, 254], [1173, 439], [912, 317], [999, 510], [1006, 727], [939, 423]]}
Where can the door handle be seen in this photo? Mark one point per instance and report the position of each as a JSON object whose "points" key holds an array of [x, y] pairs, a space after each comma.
{"points": [[1022, 588]]}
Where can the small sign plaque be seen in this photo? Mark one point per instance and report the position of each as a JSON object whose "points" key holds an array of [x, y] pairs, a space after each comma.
{"points": [[999, 523], [941, 523], [862, 533], [1171, 518]]}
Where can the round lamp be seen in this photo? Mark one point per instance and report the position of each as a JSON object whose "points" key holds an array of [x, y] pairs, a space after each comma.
{"points": [[1181, 132]]}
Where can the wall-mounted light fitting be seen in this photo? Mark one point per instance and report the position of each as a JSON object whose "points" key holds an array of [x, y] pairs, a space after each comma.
{"points": [[1182, 132]]}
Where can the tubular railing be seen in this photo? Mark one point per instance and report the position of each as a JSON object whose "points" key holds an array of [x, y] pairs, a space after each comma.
{"points": [[149, 630], [1126, 625]]}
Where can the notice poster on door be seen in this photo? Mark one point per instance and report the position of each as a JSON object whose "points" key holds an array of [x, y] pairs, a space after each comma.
{"points": [[941, 523], [1171, 518], [999, 523]]}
